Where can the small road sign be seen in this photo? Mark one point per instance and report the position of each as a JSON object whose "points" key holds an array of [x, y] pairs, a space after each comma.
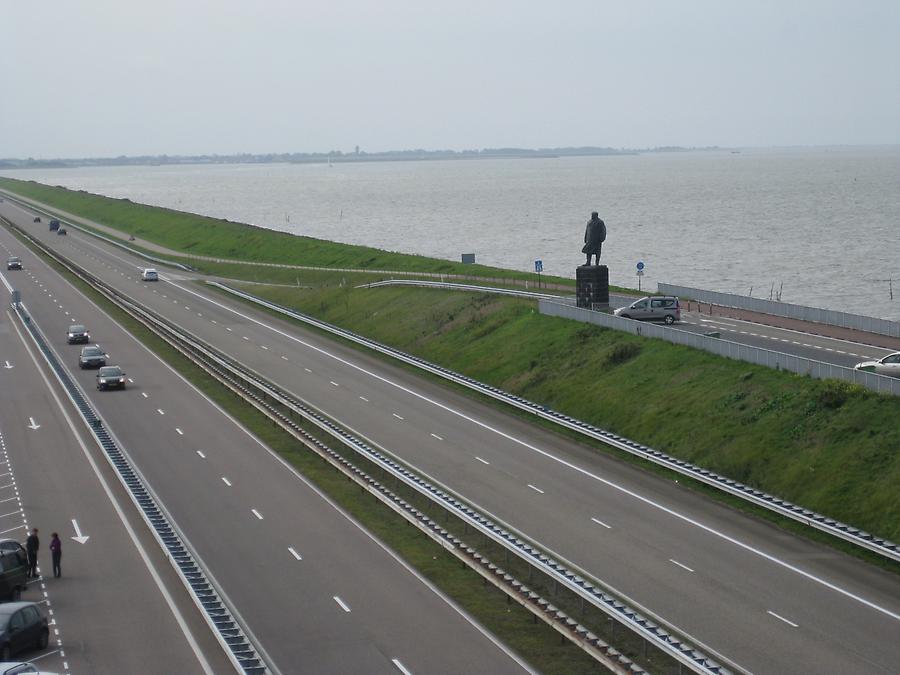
{"points": [[640, 265], [538, 266]]}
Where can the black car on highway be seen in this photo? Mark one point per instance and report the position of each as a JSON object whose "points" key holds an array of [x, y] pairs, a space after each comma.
{"points": [[92, 357], [13, 262], [22, 627], [110, 377], [37, 219], [77, 333], [61, 230], [54, 224], [13, 570]]}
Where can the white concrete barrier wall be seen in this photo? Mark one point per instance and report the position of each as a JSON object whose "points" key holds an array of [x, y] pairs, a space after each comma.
{"points": [[829, 317], [726, 348]]}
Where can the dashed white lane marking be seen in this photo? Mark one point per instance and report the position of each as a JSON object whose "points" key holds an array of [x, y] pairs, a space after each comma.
{"points": [[228, 329], [307, 370], [180, 432], [536, 489], [363, 398], [284, 358], [437, 437], [334, 383], [675, 562], [257, 514], [294, 553], [226, 481], [202, 456], [130, 381], [245, 337], [342, 604], [160, 411], [483, 461], [144, 394], [781, 618], [400, 667], [264, 347], [397, 416], [600, 522]]}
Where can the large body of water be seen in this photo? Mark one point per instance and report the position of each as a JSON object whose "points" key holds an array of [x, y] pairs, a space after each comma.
{"points": [[820, 225]]}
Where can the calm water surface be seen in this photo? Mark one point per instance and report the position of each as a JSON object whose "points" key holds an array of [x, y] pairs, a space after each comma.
{"points": [[821, 224]]}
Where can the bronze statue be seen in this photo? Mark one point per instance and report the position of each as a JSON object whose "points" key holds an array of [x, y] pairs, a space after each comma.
{"points": [[594, 236]]}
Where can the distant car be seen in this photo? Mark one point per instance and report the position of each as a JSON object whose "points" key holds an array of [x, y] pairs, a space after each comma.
{"points": [[22, 627], [887, 365], [110, 377], [61, 230], [37, 219], [54, 224], [77, 333], [92, 357], [14, 263], [13, 570], [653, 308], [149, 274]]}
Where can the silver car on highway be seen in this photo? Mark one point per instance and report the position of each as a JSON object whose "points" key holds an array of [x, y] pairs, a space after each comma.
{"points": [[887, 365]]}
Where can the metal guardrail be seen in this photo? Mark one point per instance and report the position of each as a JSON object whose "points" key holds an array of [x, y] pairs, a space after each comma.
{"points": [[815, 520], [109, 240], [451, 286], [240, 651], [640, 621], [829, 317], [729, 349]]}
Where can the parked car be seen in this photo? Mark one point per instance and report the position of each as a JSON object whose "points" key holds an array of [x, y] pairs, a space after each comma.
{"points": [[37, 219], [110, 377], [20, 667], [92, 357], [149, 274], [14, 262], [887, 365], [77, 333], [22, 627], [54, 224], [653, 308], [62, 231], [13, 570]]}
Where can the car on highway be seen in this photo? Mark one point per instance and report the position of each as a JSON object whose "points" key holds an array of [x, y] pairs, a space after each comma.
{"points": [[92, 357], [13, 262], [13, 571], [886, 365], [110, 377], [22, 627], [54, 224], [149, 274], [77, 333], [652, 308], [37, 219], [62, 231]]}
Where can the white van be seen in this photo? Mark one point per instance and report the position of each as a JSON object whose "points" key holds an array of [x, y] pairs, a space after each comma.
{"points": [[149, 274]]}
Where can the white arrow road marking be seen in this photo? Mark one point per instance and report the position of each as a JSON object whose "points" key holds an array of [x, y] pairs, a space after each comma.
{"points": [[8, 365], [80, 538], [33, 426]]}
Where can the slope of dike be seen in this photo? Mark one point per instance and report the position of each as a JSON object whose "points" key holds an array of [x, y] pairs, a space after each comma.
{"points": [[826, 445]]}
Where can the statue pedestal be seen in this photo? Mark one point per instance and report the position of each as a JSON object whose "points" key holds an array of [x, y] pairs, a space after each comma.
{"points": [[592, 286]]}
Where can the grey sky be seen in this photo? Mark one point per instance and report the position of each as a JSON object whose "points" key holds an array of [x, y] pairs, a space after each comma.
{"points": [[92, 78]]}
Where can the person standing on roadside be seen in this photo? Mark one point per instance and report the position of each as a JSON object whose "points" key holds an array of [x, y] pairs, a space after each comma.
{"points": [[56, 552], [32, 544]]}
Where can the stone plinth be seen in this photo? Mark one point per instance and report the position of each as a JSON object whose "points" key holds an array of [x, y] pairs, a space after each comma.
{"points": [[592, 286]]}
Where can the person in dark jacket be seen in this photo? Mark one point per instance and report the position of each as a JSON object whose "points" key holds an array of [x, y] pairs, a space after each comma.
{"points": [[32, 544], [594, 236], [56, 552]]}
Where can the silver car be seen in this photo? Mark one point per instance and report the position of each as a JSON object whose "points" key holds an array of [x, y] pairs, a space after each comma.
{"points": [[654, 308], [887, 365]]}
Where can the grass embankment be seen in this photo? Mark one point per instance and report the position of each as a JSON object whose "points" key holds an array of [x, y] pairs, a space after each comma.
{"points": [[199, 235], [827, 445]]}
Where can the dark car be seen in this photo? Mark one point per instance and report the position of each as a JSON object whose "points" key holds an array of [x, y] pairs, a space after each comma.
{"points": [[61, 230], [110, 377], [13, 570], [92, 357], [77, 333], [22, 627], [54, 224], [37, 219], [14, 262]]}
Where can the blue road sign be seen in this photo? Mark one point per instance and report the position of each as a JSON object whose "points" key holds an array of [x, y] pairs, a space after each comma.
{"points": [[538, 265], [640, 265]]}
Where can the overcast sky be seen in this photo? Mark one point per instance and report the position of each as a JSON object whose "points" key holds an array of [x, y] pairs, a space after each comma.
{"points": [[98, 78]]}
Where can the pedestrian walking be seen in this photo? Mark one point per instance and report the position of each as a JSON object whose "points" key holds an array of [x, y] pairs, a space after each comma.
{"points": [[32, 544], [56, 551]]}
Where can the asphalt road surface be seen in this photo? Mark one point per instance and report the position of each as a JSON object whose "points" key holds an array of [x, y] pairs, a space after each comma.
{"points": [[316, 591], [766, 600]]}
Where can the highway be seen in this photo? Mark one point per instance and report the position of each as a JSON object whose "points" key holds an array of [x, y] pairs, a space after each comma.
{"points": [[317, 591], [766, 600]]}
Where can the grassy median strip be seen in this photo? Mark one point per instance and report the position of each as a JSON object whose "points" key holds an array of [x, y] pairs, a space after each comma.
{"points": [[536, 642]]}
